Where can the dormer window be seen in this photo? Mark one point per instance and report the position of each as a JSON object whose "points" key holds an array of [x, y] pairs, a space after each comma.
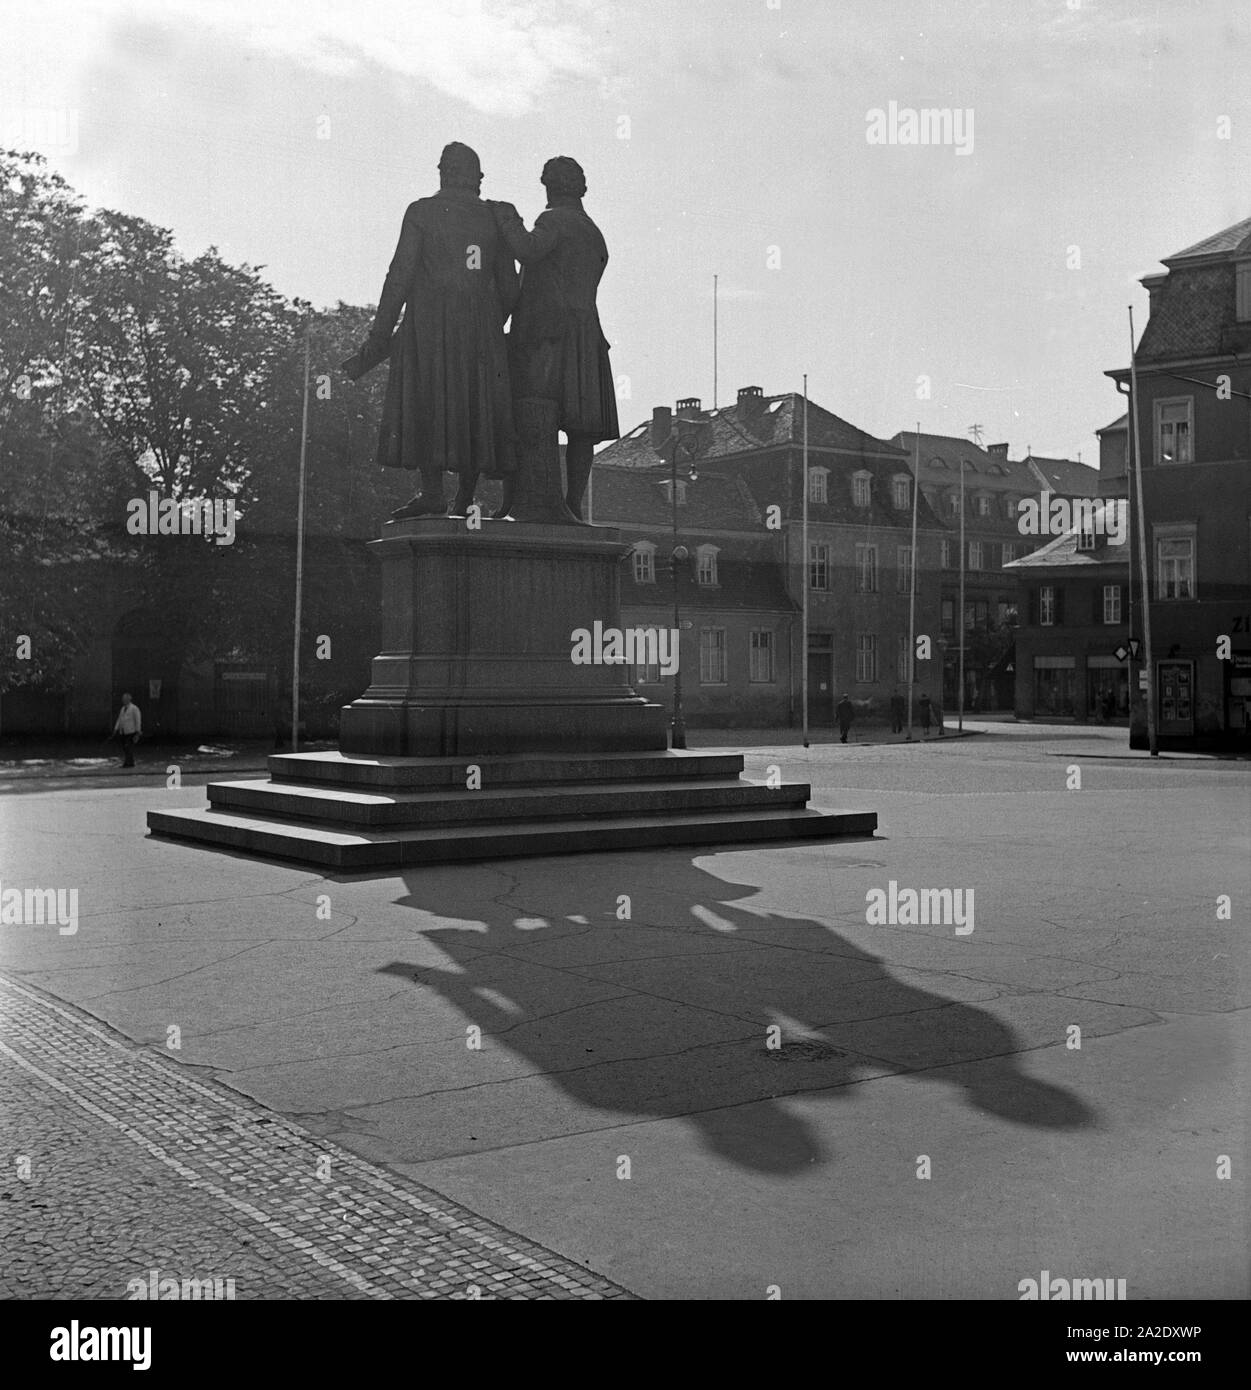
{"points": [[861, 489], [706, 564], [983, 504], [901, 491], [818, 484], [953, 503], [643, 560], [1086, 538], [668, 487]]}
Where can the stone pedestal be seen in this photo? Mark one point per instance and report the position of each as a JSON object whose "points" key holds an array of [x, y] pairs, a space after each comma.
{"points": [[477, 637], [480, 739]]}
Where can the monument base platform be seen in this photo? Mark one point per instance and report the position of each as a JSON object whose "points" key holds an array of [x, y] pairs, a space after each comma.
{"points": [[343, 812]]}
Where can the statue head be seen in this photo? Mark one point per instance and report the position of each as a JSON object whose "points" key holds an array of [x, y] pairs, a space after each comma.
{"points": [[459, 167], [563, 178]]}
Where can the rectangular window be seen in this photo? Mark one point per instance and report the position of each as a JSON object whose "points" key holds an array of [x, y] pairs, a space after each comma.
{"points": [[712, 656], [944, 558], [948, 617], [816, 484], [1175, 567], [983, 505], [975, 555], [706, 573], [1046, 606], [1086, 538], [1174, 426], [761, 656], [866, 657], [819, 567], [1111, 603], [1009, 552], [1005, 612], [866, 569], [860, 492], [644, 566], [1244, 292], [903, 496], [903, 569], [901, 660], [976, 614]]}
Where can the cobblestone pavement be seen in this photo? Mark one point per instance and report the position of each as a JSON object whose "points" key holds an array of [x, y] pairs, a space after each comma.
{"points": [[118, 1164]]}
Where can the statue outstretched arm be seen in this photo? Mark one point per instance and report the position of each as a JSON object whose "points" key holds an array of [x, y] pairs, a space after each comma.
{"points": [[526, 247]]}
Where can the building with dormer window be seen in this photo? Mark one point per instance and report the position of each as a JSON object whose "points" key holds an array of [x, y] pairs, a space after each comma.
{"points": [[1194, 433]]}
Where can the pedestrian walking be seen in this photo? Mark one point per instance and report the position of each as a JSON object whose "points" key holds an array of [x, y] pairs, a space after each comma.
{"points": [[844, 713], [128, 728], [937, 710], [897, 711], [926, 714]]}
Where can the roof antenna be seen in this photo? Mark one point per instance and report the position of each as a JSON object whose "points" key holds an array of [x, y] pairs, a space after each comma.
{"points": [[975, 434]]}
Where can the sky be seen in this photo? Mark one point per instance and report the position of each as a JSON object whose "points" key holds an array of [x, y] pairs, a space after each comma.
{"points": [[990, 266]]}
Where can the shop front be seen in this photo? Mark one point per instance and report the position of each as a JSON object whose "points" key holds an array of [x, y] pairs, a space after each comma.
{"points": [[1054, 687]]}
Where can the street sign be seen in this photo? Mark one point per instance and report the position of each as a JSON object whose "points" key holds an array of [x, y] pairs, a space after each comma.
{"points": [[1121, 652], [1135, 646], [1142, 680]]}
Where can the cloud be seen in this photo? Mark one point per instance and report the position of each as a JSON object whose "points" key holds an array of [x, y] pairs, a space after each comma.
{"points": [[498, 56]]}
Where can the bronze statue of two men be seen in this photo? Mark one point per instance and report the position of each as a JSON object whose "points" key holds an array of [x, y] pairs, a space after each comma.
{"points": [[462, 396]]}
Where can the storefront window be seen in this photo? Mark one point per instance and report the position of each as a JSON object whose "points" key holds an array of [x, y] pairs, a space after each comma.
{"points": [[1053, 690], [1107, 693]]}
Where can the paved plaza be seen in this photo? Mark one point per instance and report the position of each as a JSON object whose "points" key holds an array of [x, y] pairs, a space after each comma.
{"points": [[666, 1074]]}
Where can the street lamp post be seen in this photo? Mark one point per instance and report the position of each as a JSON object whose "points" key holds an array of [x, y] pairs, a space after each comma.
{"points": [[683, 446]]}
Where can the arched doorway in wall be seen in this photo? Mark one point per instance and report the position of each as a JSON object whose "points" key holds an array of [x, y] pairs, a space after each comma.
{"points": [[147, 661]]}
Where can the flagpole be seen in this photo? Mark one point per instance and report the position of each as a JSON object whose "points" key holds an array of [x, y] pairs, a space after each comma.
{"points": [[299, 557], [803, 574], [912, 598], [1144, 572], [960, 619], [714, 341]]}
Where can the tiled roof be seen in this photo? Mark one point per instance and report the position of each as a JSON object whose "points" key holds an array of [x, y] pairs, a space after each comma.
{"points": [[1066, 476], [1233, 240], [941, 455], [770, 422], [1190, 312], [1063, 550], [715, 502]]}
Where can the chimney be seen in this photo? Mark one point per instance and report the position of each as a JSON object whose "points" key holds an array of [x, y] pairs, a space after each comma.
{"points": [[998, 451], [662, 425], [688, 406], [750, 403]]}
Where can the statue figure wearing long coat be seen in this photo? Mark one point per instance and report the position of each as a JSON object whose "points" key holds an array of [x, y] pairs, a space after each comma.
{"points": [[557, 349], [448, 403]]}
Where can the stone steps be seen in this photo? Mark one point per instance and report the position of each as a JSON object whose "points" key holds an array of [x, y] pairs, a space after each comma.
{"points": [[353, 809], [348, 850], [412, 774]]}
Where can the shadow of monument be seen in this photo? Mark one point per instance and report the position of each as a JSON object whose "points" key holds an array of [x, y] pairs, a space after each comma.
{"points": [[699, 977]]}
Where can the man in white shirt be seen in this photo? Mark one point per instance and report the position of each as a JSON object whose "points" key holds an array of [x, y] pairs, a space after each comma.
{"points": [[128, 728]]}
